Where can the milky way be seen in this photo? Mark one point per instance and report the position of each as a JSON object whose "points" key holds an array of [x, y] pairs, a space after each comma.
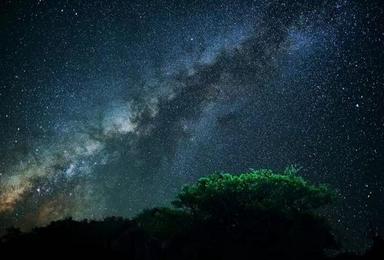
{"points": [[109, 107]]}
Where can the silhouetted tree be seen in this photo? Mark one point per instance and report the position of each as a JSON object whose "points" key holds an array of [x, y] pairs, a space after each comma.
{"points": [[257, 214]]}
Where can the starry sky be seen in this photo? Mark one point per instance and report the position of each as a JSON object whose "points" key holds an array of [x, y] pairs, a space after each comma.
{"points": [[109, 107]]}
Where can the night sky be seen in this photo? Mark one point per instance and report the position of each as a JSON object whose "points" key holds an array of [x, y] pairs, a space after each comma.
{"points": [[109, 107]]}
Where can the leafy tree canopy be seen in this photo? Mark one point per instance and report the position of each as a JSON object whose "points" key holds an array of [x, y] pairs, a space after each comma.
{"points": [[261, 213], [253, 191]]}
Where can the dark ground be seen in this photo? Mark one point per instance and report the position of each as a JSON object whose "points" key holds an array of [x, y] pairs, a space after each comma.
{"points": [[120, 238]]}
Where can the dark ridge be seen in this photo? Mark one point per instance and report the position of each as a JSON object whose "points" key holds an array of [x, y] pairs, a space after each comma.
{"points": [[256, 215]]}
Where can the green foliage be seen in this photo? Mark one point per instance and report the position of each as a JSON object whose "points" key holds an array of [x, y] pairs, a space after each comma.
{"points": [[258, 190], [260, 212]]}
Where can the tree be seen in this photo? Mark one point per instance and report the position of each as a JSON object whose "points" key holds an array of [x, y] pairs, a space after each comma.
{"points": [[257, 190], [260, 214]]}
